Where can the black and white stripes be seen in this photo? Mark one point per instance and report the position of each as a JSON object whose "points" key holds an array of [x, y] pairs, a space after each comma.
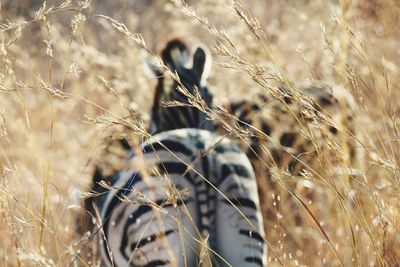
{"points": [[202, 187], [190, 195], [192, 72]]}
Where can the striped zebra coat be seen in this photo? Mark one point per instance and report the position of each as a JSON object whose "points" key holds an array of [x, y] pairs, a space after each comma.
{"points": [[189, 196], [188, 185]]}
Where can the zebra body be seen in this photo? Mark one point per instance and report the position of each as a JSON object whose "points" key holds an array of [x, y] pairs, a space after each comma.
{"points": [[202, 187]]}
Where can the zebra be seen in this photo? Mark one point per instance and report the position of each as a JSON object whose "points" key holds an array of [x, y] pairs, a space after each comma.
{"points": [[189, 195]]}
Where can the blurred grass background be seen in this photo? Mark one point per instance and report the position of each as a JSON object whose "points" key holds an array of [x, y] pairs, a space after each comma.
{"points": [[55, 59]]}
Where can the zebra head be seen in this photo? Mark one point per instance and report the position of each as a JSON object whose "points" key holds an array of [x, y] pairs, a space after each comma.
{"points": [[192, 70]]}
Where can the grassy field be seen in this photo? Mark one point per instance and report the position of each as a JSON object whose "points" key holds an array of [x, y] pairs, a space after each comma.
{"points": [[71, 71]]}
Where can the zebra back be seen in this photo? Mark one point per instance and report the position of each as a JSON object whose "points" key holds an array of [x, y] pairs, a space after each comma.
{"points": [[192, 71], [201, 188]]}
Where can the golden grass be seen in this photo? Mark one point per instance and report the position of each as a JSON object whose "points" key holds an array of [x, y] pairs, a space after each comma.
{"points": [[71, 76]]}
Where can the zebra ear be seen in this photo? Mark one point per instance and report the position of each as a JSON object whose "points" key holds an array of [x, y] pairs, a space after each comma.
{"points": [[151, 65], [201, 64], [175, 55]]}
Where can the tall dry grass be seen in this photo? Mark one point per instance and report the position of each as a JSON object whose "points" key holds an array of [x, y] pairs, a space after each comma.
{"points": [[70, 76]]}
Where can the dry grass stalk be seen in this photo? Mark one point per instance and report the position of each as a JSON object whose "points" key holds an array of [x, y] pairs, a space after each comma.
{"points": [[91, 74]]}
